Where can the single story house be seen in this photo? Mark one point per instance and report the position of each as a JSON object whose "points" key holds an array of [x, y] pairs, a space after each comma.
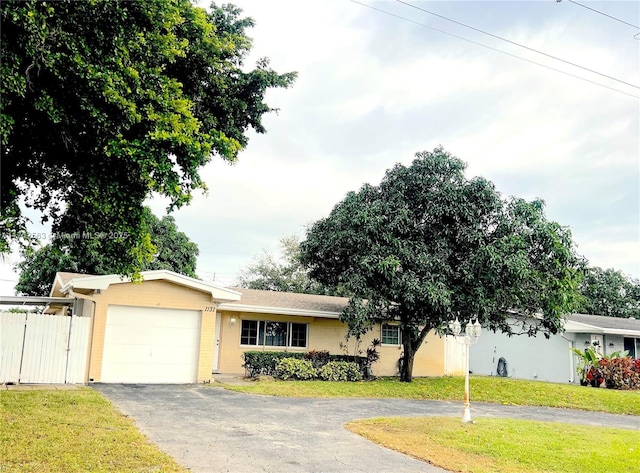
{"points": [[552, 359], [170, 328]]}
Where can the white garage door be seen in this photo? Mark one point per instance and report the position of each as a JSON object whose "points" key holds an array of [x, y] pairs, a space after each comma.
{"points": [[150, 345]]}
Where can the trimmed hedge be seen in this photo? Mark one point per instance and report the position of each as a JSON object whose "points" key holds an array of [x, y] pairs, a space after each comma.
{"points": [[340, 371], [257, 363], [293, 368]]}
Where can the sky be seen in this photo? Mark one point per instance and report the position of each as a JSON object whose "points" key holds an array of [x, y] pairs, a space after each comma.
{"points": [[375, 87]]}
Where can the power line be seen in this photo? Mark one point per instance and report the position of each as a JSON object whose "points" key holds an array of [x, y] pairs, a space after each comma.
{"points": [[517, 44], [494, 49], [602, 13]]}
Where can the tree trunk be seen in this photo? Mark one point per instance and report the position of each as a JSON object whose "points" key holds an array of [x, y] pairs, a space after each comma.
{"points": [[406, 372], [411, 346]]}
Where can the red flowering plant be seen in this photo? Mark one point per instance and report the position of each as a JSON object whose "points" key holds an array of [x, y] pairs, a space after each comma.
{"points": [[620, 372], [615, 371]]}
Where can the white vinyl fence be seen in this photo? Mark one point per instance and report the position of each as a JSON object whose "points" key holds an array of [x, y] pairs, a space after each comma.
{"points": [[42, 348], [453, 357]]}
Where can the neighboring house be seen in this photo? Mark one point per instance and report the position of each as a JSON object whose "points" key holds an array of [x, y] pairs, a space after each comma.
{"points": [[174, 329], [552, 359]]}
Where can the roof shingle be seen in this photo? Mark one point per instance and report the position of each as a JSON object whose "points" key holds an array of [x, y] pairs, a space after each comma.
{"points": [[601, 321], [289, 300]]}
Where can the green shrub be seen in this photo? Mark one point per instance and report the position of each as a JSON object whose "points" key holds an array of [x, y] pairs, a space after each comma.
{"points": [[294, 368], [258, 363], [318, 358], [360, 361], [340, 371], [615, 371], [619, 373]]}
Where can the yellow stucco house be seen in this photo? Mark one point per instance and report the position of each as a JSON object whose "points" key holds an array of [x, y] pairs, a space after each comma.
{"points": [[174, 329]]}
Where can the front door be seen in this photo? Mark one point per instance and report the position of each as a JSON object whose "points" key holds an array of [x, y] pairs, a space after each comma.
{"points": [[216, 342]]}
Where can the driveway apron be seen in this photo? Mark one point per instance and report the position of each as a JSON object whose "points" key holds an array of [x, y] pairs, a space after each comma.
{"points": [[210, 429]]}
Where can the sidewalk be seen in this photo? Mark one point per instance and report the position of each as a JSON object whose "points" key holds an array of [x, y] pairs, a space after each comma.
{"points": [[233, 379]]}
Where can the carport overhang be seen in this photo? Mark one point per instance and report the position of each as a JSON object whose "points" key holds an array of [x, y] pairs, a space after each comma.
{"points": [[52, 304], [35, 300]]}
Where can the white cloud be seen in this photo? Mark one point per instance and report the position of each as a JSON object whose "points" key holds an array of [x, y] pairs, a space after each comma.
{"points": [[373, 90], [612, 253]]}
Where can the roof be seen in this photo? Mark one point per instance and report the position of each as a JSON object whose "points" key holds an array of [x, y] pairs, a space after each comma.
{"points": [[585, 323], [62, 278], [286, 303], [65, 283]]}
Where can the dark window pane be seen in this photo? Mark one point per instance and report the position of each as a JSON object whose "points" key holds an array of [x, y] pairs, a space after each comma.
{"points": [[248, 335], [629, 346], [298, 335], [275, 334], [390, 334]]}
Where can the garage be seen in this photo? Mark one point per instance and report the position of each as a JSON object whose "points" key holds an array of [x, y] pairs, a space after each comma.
{"points": [[156, 330], [150, 345]]}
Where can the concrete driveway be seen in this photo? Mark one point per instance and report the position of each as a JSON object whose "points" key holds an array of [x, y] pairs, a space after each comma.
{"points": [[210, 429]]}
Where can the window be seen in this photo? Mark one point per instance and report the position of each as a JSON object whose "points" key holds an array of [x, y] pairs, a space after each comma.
{"points": [[390, 334], [632, 345], [298, 335], [273, 334], [249, 333]]}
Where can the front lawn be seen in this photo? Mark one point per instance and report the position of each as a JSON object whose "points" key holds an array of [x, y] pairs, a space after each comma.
{"points": [[483, 389], [506, 445], [72, 431]]}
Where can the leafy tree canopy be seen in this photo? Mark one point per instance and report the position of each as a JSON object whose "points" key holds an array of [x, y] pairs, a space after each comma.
{"points": [[609, 292], [428, 245], [281, 273], [172, 250], [104, 102]]}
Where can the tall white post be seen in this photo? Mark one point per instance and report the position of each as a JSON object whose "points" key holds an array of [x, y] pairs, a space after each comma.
{"points": [[472, 332], [466, 413]]}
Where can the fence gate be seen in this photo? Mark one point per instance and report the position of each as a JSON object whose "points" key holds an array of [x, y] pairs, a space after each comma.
{"points": [[42, 348]]}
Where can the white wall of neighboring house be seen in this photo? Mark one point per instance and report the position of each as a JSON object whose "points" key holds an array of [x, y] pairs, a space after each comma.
{"points": [[539, 358], [605, 344], [613, 343], [533, 358]]}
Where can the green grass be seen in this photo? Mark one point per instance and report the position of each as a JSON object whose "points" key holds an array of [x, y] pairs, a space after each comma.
{"points": [[483, 389], [72, 431], [507, 445]]}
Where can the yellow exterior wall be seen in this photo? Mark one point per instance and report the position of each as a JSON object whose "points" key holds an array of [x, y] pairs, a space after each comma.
{"points": [[327, 334], [323, 333], [160, 294], [230, 355]]}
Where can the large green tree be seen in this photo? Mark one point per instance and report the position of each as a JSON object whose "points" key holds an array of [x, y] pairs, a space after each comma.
{"points": [[283, 272], [428, 245], [611, 293], [104, 102], [172, 250]]}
